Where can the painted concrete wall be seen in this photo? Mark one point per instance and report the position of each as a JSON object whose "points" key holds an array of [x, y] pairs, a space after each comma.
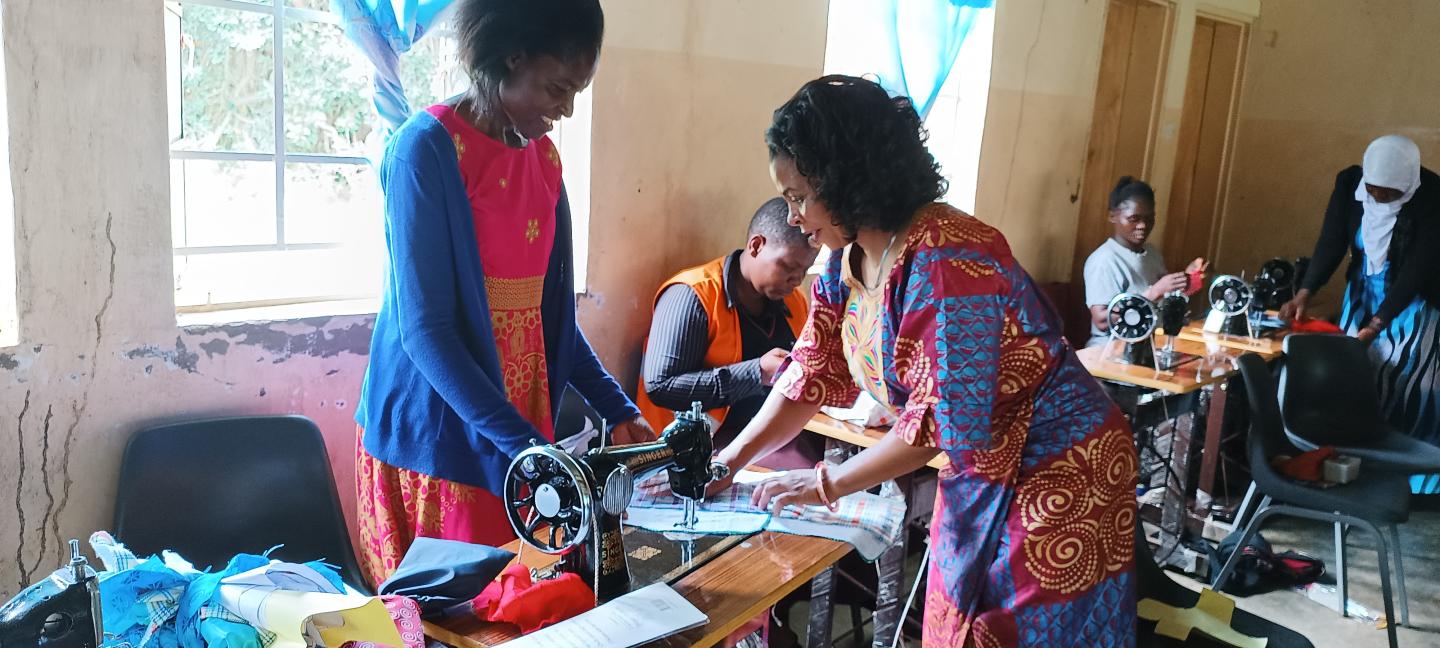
{"points": [[684, 93], [681, 102], [1037, 128], [100, 353], [1324, 78]]}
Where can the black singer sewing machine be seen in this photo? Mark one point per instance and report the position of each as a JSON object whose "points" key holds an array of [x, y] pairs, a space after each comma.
{"points": [[62, 611], [561, 504], [1132, 321]]}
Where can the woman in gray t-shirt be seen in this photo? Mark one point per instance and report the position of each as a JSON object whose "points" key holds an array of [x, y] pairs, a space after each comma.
{"points": [[1125, 262]]}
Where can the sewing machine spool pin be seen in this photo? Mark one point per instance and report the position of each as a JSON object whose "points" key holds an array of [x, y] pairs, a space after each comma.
{"points": [[61, 611]]}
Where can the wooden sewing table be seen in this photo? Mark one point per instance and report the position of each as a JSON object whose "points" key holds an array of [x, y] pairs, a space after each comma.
{"points": [[731, 588]]}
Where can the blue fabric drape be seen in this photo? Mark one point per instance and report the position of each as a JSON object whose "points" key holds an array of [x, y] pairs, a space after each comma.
{"points": [[385, 29], [919, 42]]}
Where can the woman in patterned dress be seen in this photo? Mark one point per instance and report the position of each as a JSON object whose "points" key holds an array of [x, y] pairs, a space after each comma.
{"points": [[925, 308], [476, 340]]}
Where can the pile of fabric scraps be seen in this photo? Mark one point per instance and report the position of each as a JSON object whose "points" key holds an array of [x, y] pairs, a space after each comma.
{"points": [[163, 602]]}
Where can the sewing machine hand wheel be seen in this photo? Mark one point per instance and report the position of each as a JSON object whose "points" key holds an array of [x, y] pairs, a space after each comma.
{"points": [[1230, 295], [1132, 317], [545, 485]]}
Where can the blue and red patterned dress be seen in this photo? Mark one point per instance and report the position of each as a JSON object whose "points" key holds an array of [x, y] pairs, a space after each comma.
{"points": [[1032, 541]]}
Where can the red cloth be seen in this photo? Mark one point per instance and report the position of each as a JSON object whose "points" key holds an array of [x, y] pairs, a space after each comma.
{"points": [[1309, 466], [1313, 326], [1194, 281], [514, 598]]}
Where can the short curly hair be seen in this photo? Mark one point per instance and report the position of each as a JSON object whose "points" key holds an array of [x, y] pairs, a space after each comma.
{"points": [[491, 31], [862, 150]]}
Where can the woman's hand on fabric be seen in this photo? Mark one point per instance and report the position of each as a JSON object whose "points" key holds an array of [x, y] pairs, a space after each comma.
{"points": [[1294, 310], [635, 430], [791, 488]]}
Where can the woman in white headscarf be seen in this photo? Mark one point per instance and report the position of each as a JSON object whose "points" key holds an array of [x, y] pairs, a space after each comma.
{"points": [[1386, 214]]}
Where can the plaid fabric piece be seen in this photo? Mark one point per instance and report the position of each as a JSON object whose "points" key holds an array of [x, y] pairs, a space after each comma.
{"points": [[877, 518], [267, 638]]}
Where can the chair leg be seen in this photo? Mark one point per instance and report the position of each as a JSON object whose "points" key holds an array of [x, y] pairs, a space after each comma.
{"points": [[1341, 580], [1344, 522], [1383, 551], [1244, 506], [1250, 530], [1400, 576]]}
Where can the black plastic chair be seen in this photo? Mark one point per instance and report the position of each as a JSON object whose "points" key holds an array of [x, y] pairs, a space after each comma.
{"points": [[1328, 397], [211, 489], [1376, 499], [1153, 583]]}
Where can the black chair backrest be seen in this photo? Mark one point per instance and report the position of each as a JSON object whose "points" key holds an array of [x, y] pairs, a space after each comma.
{"points": [[1267, 431], [211, 489], [1330, 392]]}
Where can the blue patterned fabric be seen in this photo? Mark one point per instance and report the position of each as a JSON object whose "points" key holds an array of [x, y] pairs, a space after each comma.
{"points": [[1407, 360]]}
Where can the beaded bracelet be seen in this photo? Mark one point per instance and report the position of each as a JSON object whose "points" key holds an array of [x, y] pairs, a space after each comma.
{"points": [[820, 473]]}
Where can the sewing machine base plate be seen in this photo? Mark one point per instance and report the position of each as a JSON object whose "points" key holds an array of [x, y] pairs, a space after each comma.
{"points": [[665, 557]]}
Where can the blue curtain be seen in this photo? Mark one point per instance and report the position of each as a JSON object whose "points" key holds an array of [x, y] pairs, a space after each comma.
{"points": [[385, 29], [919, 40]]}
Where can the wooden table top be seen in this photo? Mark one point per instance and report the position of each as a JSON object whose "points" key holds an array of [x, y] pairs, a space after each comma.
{"points": [[1216, 363], [864, 437], [732, 588], [1268, 348]]}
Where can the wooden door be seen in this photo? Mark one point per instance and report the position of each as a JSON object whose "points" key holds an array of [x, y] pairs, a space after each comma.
{"points": [[1122, 129], [1197, 193]]}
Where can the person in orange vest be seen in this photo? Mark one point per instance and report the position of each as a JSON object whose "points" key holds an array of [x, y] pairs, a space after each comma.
{"points": [[721, 331]]}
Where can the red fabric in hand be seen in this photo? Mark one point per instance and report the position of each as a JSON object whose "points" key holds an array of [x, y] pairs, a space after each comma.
{"points": [[1194, 281], [1309, 466], [1313, 326], [515, 598]]}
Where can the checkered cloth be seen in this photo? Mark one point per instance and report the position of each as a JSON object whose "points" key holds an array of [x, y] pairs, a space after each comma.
{"points": [[870, 523]]}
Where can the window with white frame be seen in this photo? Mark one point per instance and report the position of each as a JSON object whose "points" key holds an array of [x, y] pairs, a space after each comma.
{"points": [[957, 118], [272, 131], [272, 127]]}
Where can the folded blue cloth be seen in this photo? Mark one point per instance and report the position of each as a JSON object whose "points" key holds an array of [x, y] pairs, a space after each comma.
{"points": [[438, 574]]}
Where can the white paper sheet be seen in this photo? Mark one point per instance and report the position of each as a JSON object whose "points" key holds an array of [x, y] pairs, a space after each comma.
{"points": [[283, 575], [641, 616]]}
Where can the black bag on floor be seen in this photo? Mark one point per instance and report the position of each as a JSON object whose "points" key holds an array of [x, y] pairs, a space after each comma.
{"points": [[1259, 569]]}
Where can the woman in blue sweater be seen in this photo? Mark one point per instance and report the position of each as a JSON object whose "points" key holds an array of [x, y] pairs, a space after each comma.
{"points": [[476, 337]]}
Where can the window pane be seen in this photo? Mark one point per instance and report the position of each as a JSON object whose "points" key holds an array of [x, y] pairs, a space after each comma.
{"points": [[241, 277], [327, 91], [331, 203], [227, 80], [318, 5], [430, 70], [223, 203]]}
